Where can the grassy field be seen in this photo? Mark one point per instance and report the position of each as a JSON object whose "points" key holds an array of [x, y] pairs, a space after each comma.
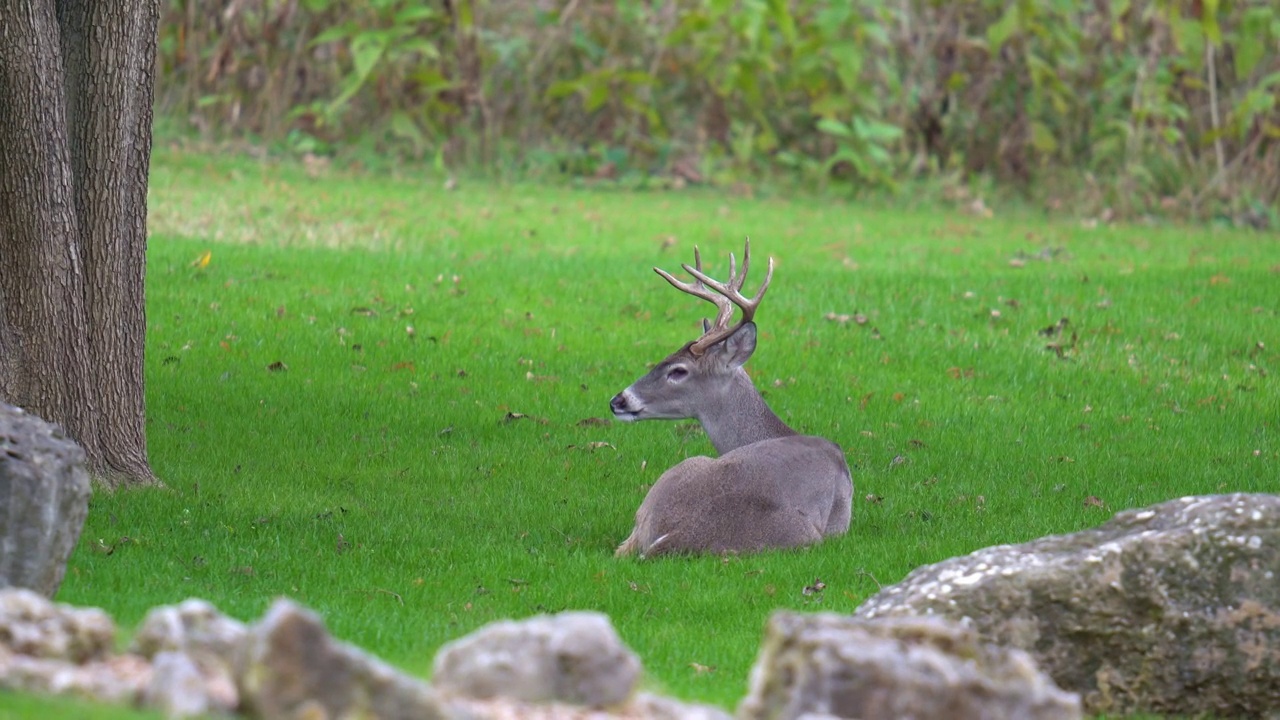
{"points": [[376, 397]]}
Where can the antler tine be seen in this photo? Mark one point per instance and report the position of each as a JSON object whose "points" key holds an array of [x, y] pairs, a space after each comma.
{"points": [[724, 306], [732, 291], [733, 288]]}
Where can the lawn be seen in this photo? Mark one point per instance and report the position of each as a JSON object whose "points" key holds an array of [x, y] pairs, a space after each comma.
{"points": [[376, 396]]}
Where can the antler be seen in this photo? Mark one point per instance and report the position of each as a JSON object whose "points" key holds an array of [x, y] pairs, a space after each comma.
{"points": [[726, 295]]}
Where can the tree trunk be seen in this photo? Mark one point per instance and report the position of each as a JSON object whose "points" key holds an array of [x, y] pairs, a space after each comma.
{"points": [[75, 143]]}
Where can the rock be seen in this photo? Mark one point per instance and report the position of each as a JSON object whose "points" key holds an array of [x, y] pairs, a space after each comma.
{"points": [[57, 649], [178, 688], [194, 626], [195, 650], [44, 499], [34, 626], [573, 657], [642, 707], [118, 679], [292, 668], [654, 707], [1169, 609], [832, 666]]}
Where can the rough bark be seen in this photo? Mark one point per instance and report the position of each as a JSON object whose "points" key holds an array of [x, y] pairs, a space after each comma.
{"points": [[76, 80]]}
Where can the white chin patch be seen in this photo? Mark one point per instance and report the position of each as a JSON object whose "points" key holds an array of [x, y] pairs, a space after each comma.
{"points": [[631, 407]]}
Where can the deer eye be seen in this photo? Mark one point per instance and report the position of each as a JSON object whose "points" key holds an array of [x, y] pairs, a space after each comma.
{"points": [[677, 374]]}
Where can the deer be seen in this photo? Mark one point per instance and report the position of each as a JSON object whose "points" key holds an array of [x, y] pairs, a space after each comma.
{"points": [[770, 487]]}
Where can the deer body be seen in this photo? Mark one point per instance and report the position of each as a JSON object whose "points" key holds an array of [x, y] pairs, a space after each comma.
{"points": [[770, 487]]}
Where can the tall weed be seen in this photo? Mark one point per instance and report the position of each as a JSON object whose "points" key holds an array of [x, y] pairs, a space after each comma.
{"points": [[1135, 105]]}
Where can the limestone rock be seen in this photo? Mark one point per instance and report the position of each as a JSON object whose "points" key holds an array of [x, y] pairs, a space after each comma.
{"points": [[655, 707], [117, 679], [292, 668], [193, 626], [573, 657], [1169, 609], [826, 665], [34, 626], [177, 687], [195, 650], [642, 707], [44, 500]]}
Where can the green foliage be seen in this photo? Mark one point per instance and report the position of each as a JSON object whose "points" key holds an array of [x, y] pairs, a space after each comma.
{"points": [[330, 399], [1167, 105]]}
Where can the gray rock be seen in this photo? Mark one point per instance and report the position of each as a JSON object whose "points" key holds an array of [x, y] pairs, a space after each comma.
{"points": [[642, 707], [195, 651], [832, 666], [117, 679], [34, 626], [292, 668], [573, 657], [655, 707], [1169, 609], [193, 626], [177, 687], [44, 499]]}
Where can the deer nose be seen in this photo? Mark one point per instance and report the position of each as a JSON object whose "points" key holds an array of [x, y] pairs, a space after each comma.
{"points": [[618, 404]]}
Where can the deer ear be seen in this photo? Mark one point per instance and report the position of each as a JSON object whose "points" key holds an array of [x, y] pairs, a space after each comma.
{"points": [[706, 326], [735, 350]]}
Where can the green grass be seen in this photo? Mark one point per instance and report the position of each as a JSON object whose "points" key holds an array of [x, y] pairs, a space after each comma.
{"points": [[376, 481]]}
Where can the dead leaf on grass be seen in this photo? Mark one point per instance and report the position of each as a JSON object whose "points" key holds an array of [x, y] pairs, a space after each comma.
{"points": [[514, 416], [593, 422], [1094, 501], [815, 589], [596, 445], [1055, 329]]}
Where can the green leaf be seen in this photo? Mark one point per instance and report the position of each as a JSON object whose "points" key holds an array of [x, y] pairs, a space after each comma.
{"points": [[781, 11], [876, 131], [1003, 29], [595, 96], [1252, 41], [333, 34], [835, 128], [1118, 10], [1209, 21], [366, 51], [563, 88], [404, 127], [1042, 138]]}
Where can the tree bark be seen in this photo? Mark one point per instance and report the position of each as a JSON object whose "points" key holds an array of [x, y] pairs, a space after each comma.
{"points": [[76, 79]]}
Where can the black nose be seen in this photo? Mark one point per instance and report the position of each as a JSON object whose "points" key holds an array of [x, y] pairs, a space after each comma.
{"points": [[618, 404]]}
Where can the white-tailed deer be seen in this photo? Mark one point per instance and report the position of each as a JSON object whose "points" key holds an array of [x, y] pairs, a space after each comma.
{"points": [[771, 487]]}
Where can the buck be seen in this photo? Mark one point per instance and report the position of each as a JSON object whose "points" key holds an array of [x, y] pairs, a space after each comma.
{"points": [[770, 487]]}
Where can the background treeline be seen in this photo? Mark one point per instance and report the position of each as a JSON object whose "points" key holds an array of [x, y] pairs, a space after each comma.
{"points": [[1135, 105]]}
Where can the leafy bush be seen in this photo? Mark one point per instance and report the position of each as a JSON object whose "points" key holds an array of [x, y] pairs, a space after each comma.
{"points": [[1154, 103]]}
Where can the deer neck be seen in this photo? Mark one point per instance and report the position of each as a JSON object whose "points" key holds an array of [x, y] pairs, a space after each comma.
{"points": [[738, 416]]}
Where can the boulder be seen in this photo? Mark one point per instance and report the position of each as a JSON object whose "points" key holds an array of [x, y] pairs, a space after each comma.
{"points": [[1173, 608], [193, 626], [34, 626], [833, 666], [44, 499], [292, 668], [641, 707], [62, 650], [573, 657], [178, 687], [195, 651]]}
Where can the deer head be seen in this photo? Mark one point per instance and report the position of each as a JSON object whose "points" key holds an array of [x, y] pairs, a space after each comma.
{"points": [[695, 380]]}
